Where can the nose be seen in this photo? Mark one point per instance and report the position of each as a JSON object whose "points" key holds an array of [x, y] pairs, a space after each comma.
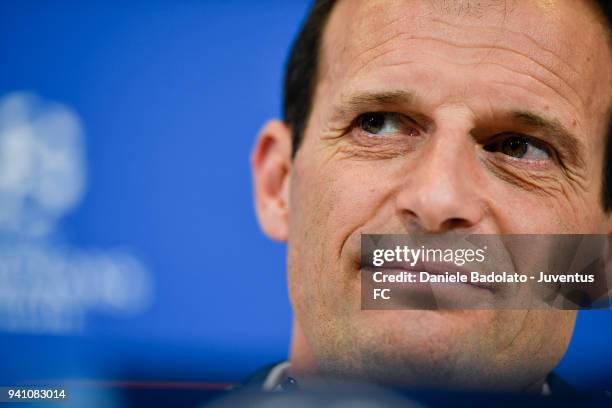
{"points": [[441, 189]]}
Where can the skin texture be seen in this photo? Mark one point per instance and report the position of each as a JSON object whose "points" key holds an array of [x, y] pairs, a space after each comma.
{"points": [[457, 73]]}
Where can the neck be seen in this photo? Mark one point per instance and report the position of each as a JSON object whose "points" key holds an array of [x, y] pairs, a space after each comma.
{"points": [[303, 363]]}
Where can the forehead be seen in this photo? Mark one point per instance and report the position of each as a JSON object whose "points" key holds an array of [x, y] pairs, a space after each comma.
{"points": [[554, 49]]}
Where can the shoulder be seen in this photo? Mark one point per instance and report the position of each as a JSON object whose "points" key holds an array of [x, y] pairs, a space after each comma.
{"points": [[268, 377]]}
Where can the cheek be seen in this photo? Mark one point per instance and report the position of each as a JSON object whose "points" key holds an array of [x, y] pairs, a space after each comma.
{"points": [[553, 208], [522, 213], [331, 199]]}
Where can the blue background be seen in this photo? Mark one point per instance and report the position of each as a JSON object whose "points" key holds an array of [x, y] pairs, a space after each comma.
{"points": [[172, 95]]}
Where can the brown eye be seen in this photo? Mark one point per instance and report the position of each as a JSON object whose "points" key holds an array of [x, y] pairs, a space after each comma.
{"points": [[379, 123], [519, 147], [515, 147]]}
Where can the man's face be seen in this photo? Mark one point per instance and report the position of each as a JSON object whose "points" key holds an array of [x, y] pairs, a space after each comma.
{"points": [[494, 124]]}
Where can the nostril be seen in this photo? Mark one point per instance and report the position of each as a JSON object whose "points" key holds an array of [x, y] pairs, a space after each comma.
{"points": [[455, 223]]}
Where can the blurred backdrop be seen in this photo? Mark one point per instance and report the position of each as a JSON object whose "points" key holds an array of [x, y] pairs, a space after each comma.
{"points": [[129, 248]]}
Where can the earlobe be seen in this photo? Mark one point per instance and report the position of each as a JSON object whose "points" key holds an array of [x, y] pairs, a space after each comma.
{"points": [[271, 167]]}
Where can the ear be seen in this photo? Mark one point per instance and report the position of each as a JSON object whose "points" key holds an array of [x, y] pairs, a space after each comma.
{"points": [[271, 166]]}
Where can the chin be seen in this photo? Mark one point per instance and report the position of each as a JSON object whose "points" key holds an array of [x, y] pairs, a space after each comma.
{"points": [[420, 349]]}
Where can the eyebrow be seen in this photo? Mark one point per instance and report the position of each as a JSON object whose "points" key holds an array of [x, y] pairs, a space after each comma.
{"points": [[356, 103], [566, 140]]}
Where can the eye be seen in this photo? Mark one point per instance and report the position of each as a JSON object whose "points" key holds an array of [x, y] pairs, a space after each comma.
{"points": [[520, 147], [379, 123]]}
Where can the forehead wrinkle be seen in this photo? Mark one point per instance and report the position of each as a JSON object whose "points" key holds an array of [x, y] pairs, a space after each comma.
{"points": [[362, 54], [417, 20], [528, 90], [528, 76], [466, 8], [383, 25], [360, 38], [490, 47], [517, 72], [558, 57], [505, 31]]}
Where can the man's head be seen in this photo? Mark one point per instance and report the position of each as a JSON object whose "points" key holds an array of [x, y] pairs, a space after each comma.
{"points": [[433, 116]]}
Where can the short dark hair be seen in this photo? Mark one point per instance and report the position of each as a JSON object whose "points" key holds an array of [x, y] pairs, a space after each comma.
{"points": [[301, 76], [301, 72]]}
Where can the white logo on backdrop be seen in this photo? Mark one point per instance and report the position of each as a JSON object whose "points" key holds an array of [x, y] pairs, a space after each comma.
{"points": [[47, 287]]}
